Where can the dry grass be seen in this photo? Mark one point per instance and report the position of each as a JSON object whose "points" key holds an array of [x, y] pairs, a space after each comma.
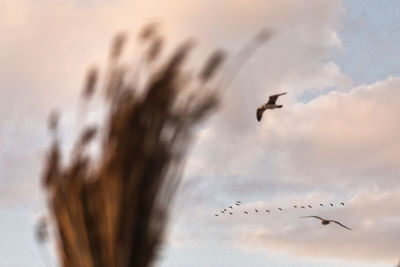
{"points": [[113, 211]]}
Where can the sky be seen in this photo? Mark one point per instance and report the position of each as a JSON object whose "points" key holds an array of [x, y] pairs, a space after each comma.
{"points": [[335, 140]]}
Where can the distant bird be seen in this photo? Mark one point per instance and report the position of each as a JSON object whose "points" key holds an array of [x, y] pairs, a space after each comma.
{"points": [[310, 206], [331, 204], [267, 211], [216, 214], [303, 207], [256, 210], [321, 205], [342, 203], [230, 213], [326, 222], [222, 211], [271, 104], [230, 207], [246, 212], [279, 209], [295, 207], [238, 202]]}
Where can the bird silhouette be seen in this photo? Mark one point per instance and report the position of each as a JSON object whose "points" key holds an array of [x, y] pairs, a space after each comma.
{"points": [[321, 205], [256, 210], [230, 213], [246, 212], [267, 211], [326, 222], [238, 202], [342, 203], [331, 204], [222, 211], [295, 207], [310, 206], [230, 207], [303, 207], [271, 104], [216, 214], [280, 209]]}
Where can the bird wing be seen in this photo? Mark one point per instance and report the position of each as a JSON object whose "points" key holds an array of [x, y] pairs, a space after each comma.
{"points": [[272, 99], [260, 112], [340, 224], [312, 216]]}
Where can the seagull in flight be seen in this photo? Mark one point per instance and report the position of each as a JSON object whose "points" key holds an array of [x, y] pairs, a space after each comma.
{"points": [[342, 203], [310, 206], [321, 205], [256, 210], [267, 211], [271, 104], [280, 209], [326, 222], [331, 204], [246, 212]]}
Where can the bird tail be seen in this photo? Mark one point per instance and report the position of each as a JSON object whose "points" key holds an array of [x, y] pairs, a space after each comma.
{"points": [[279, 106]]}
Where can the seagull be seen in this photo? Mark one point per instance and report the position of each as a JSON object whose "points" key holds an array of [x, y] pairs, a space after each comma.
{"points": [[230, 207], [342, 203], [331, 204], [303, 207], [222, 211], [310, 206], [321, 205], [326, 222], [271, 104], [238, 202], [267, 211], [256, 210], [295, 207], [216, 214], [246, 212], [279, 209], [230, 213]]}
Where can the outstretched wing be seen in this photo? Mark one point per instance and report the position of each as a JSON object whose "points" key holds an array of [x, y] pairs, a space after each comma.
{"points": [[260, 112], [340, 224], [312, 216], [272, 99]]}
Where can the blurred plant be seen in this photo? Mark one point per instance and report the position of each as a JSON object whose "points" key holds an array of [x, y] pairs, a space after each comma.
{"points": [[113, 211]]}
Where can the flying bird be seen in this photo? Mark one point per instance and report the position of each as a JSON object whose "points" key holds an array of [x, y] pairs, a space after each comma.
{"points": [[331, 204], [246, 212], [295, 207], [230, 213], [303, 207], [342, 203], [326, 222], [216, 214], [271, 104], [256, 210], [279, 209], [222, 211], [267, 211], [238, 202], [230, 207], [310, 206], [321, 205]]}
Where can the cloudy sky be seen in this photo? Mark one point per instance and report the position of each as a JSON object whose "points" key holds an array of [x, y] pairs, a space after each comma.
{"points": [[335, 140]]}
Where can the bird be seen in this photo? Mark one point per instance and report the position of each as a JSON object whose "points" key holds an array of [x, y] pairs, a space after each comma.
{"points": [[216, 214], [310, 206], [230, 207], [280, 209], [331, 204], [230, 213], [321, 205], [271, 104], [295, 207], [222, 211], [326, 222], [256, 210], [238, 202], [246, 212], [267, 211], [303, 207], [342, 203]]}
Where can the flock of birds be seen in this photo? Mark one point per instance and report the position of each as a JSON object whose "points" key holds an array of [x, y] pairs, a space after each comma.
{"points": [[229, 211], [271, 104]]}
